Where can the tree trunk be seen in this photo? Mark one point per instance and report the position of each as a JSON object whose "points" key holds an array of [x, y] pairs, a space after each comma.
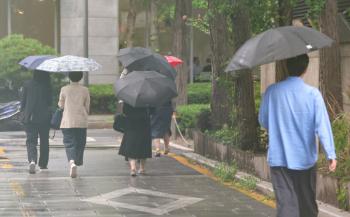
{"points": [[221, 97], [181, 47], [285, 18], [130, 29], [246, 120], [147, 23], [330, 72], [154, 39]]}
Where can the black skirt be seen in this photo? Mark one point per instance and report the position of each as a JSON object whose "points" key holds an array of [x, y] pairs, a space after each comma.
{"points": [[137, 141]]}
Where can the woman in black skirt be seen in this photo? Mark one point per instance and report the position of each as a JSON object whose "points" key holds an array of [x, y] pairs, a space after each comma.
{"points": [[136, 143]]}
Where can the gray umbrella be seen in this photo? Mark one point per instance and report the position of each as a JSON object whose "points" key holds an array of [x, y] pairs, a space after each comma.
{"points": [[277, 44], [32, 62], [143, 59], [145, 88]]}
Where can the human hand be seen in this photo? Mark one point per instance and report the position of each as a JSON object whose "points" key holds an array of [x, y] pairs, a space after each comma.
{"points": [[332, 165]]}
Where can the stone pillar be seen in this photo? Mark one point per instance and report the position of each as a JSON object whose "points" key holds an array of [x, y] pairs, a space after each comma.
{"points": [[103, 35]]}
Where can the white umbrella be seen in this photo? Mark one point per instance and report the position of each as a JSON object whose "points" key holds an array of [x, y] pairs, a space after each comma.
{"points": [[69, 64]]}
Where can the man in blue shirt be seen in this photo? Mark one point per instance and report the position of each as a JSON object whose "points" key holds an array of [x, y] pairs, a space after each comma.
{"points": [[294, 113]]}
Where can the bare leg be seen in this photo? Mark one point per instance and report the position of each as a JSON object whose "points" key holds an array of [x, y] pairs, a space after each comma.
{"points": [[166, 143], [157, 145], [142, 166], [132, 167]]}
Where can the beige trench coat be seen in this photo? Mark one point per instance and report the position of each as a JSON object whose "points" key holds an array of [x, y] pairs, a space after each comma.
{"points": [[75, 102]]}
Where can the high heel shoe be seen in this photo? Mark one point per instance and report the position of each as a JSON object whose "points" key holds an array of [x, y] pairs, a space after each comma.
{"points": [[141, 172], [157, 153], [133, 173], [166, 151]]}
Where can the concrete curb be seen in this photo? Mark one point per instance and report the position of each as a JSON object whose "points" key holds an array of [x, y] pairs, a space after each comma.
{"points": [[266, 187]]}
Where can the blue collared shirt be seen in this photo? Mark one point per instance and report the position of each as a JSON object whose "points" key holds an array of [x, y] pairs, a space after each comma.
{"points": [[294, 113]]}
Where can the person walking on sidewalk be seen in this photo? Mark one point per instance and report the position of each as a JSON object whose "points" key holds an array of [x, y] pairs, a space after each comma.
{"points": [[36, 107], [293, 114], [75, 102], [160, 125], [136, 143]]}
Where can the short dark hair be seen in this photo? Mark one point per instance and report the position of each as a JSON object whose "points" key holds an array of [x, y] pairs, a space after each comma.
{"points": [[75, 76], [296, 66]]}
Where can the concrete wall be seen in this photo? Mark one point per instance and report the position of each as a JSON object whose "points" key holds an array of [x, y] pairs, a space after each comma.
{"points": [[103, 35], [312, 75]]}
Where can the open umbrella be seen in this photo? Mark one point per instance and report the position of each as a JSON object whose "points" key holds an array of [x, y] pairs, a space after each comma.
{"points": [[69, 64], [277, 44], [145, 88], [32, 62], [173, 61], [143, 59]]}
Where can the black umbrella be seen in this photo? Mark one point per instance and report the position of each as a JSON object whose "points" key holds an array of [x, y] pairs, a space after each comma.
{"points": [[277, 44], [143, 59], [145, 88]]}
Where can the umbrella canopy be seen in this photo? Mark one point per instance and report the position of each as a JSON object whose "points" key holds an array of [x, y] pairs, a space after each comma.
{"points": [[277, 44], [32, 62], [173, 61], [143, 59], [69, 64], [145, 88]]}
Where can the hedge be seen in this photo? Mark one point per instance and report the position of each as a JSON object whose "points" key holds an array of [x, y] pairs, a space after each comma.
{"points": [[199, 93], [103, 100], [187, 115]]}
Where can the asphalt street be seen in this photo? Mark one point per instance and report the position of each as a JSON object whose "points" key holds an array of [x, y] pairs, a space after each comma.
{"points": [[105, 188]]}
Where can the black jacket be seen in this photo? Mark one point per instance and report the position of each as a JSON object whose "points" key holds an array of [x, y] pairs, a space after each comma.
{"points": [[36, 103]]}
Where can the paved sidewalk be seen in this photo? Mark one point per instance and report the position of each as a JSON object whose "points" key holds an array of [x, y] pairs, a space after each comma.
{"points": [[105, 188], [104, 168]]}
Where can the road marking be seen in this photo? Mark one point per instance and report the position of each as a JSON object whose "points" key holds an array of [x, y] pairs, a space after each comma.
{"points": [[179, 202], [6, 166]]}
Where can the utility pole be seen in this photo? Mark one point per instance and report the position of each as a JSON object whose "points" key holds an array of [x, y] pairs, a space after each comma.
{"points": [[9, 18], [86, 39]]}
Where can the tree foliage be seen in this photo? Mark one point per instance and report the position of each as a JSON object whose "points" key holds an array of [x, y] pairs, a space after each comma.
{"points": [[13, 49], [315, 9]]}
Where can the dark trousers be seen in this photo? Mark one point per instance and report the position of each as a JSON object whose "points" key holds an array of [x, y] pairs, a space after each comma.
{"points": [[74, 140], [35, 131], [295, 192]]}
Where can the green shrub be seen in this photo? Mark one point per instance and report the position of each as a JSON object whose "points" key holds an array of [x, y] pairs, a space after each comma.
{"points": [[226, 172], [341, 130], [226, 135], [248, 182], [199, 93], [13, 49], [187, 115], [103, 100]]}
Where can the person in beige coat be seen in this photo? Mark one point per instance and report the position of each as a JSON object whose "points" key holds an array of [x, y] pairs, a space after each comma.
{"points": [[75, 102]]}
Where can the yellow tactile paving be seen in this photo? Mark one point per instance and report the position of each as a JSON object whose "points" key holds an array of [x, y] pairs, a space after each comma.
{"points": [[259, 197], [17, 188], [2, 151]]}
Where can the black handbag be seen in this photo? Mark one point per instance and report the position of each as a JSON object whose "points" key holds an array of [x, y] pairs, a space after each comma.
{"points": [[56, 119], [119, 122]]}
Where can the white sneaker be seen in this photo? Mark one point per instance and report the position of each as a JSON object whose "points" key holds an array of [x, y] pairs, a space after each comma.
{"points": [[32, 167], [73, 170]]}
